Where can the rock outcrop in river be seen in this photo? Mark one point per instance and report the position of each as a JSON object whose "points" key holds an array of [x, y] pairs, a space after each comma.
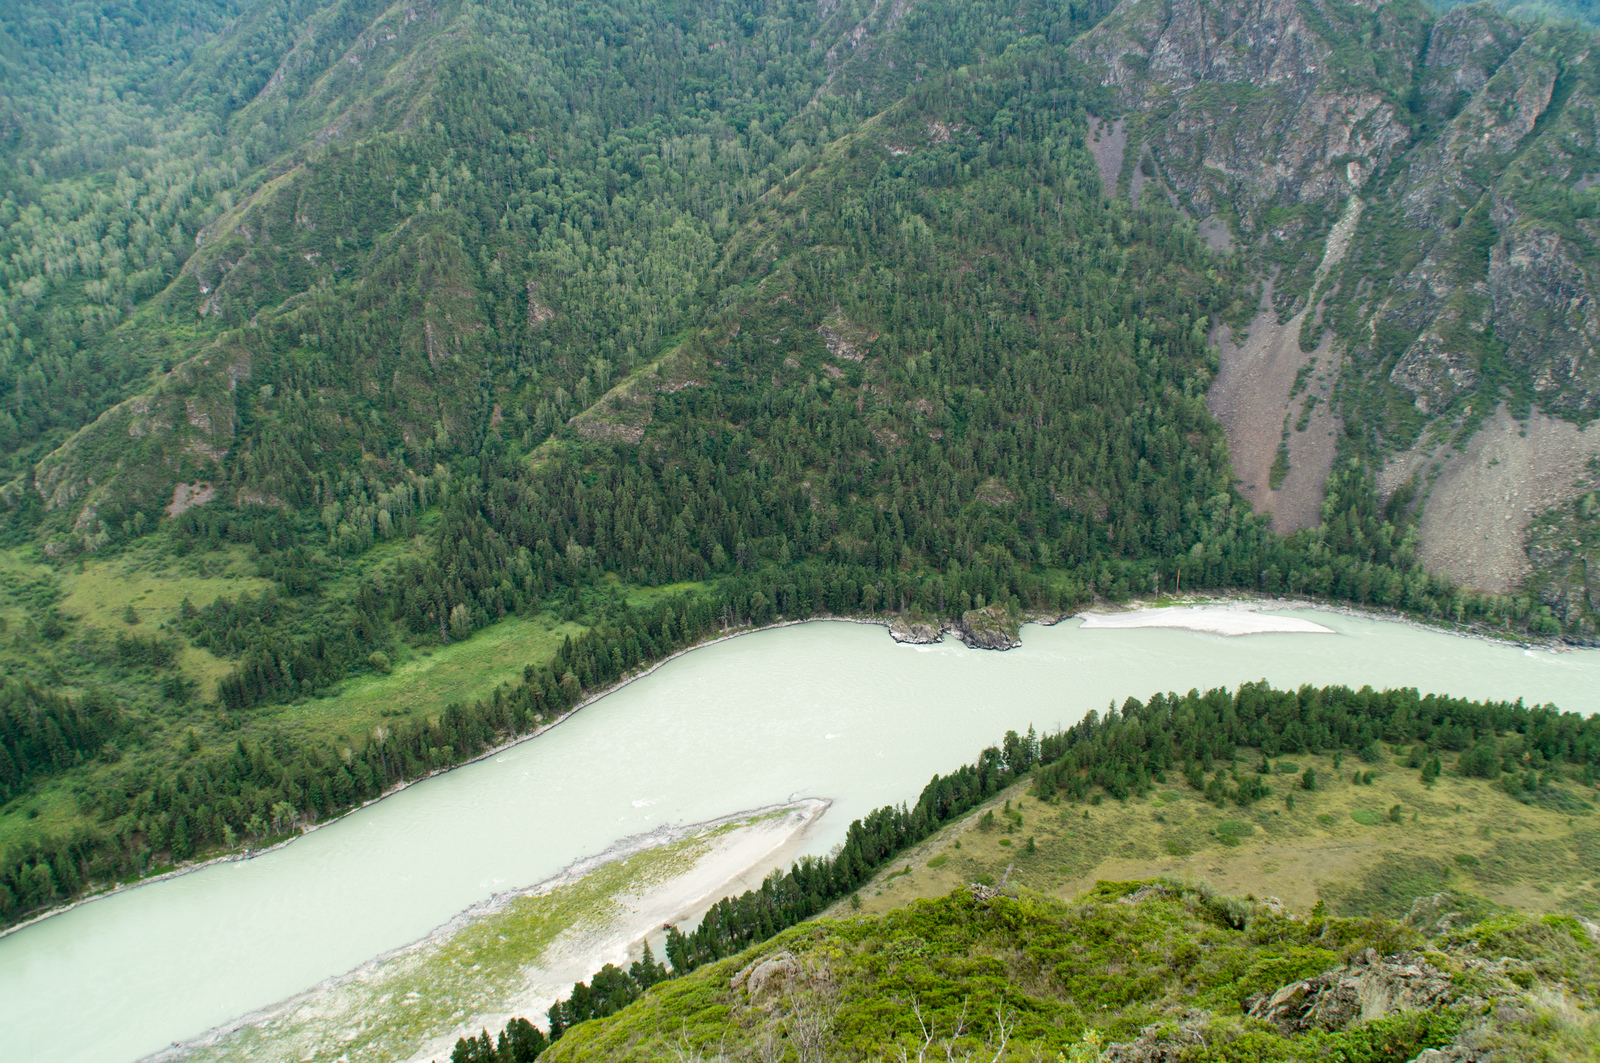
{"points": [[917, 632], [991, 628]]}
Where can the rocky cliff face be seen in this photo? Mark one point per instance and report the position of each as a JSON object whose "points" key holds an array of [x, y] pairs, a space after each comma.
{"points": [[1472, 141], [1255, 106]]}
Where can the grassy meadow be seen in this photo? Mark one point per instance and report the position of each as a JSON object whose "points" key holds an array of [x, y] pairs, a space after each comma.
{"points": [[1338, 843]]}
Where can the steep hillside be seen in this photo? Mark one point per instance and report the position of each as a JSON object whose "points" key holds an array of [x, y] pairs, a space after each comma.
{"points": [[1470, 847], [1127, 972], [1463, 145]]}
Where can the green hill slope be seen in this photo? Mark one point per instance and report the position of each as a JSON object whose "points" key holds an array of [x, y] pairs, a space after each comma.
{"points": [[1456, 861], [1129, 971]]}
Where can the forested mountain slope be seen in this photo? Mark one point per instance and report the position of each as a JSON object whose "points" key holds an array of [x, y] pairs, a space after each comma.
{"points": [[335, 333]]}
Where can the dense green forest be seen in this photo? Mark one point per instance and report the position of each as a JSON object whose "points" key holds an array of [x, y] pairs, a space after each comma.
{"points": [[652, 320], [1538, 755]]}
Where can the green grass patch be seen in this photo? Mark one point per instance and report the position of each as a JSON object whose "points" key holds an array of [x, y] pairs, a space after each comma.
{"points": [[1230, 831], [939, 861], [1389, 888], [426, 682], [1366, 817], [99, 597]]}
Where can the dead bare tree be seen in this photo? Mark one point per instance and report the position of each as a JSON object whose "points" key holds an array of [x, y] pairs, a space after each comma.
{"points": [[930, 1032], [810, 1011]]}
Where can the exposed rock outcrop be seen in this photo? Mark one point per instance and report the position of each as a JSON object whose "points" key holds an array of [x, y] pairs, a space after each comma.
{"points": [[1544, 309], [918, 632], [1434, 913], [1433, 372], [1369, 987], [123, 466], [990, 628], [1163, 1042], [767, 976], [1297, 130]]}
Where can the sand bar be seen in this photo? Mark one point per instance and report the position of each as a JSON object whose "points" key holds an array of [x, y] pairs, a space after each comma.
{"points": [[1215, 619], [517, 952]]}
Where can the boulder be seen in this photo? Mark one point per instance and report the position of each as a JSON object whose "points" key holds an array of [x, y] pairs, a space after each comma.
{"points": [[990, 628], [769, 974], [1434, 913], [919, 632], [1369, 987]]}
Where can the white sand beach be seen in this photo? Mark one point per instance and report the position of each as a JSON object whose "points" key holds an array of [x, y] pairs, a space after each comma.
{"points": [[1239, 619], [737, 860]]}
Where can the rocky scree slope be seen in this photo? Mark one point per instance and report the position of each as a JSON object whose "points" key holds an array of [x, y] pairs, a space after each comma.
{"points": [[1471, 281]]}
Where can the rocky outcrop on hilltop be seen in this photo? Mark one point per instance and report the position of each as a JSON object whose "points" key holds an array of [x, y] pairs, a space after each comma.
{"points": [[1367, 988]]}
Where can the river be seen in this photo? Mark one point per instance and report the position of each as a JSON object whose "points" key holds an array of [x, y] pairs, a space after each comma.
{"points": [[827, 709]]}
